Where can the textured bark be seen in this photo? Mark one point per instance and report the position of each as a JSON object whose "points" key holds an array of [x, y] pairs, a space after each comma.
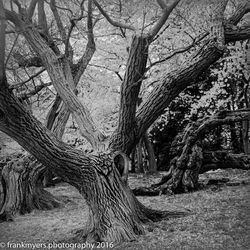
{"points": [[58, 117], [234, 34], [60, 74], [59, 113], [22, 188], [131, 84], [224, 160], [210, 161], [245, 124], [186, 166], [173, 83], [152, 167], [242, 8], [245, 137], [115, 214], [139, 155]]}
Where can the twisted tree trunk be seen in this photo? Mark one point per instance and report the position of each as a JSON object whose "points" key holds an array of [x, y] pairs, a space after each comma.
{"points": [[190, 161], [115, 213]]}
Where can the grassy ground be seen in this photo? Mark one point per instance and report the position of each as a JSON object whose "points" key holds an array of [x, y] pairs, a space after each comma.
{"points": [[220, 218]]}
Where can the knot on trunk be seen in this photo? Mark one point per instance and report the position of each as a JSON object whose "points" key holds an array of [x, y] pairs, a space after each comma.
{"points": [[122, 164]]}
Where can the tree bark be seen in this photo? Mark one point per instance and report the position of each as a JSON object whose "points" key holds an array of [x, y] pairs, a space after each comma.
{"points": [[59, 71], [135, 69], [173, 83], [152, 167], [224, 160], [139, 155], [115, 214], [22, 188], [185, 167], [211, 160]]}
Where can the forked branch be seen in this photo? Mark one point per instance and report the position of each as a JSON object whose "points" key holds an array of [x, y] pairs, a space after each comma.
{"points": [[167, 9], [114, 23]]}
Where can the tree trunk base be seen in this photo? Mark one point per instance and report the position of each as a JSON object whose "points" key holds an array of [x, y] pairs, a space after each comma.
{"points": [[185, 180], [22, 190]]}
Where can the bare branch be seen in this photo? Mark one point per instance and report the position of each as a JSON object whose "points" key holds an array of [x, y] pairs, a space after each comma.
{"points": [[12, 16], [166, 12], [112, 22], [62, 8], [58, 20], [13, 46], [24, 61], [179, 51], [37, 89], [18, 5], [68, 47], [162, 3], [31, 8], [90, 48], [108, 69], [29, 79], [42, 21]]}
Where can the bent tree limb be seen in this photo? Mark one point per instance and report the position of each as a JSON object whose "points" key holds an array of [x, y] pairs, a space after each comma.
{"points": [[191, 161], [223, 160], [173, 83], [211, 161]]}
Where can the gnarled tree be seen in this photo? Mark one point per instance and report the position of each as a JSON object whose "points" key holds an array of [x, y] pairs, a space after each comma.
{"points": [[115, 213]]}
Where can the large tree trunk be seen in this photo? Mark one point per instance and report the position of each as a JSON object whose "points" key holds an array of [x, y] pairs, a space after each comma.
{"points": [[115, 214]]}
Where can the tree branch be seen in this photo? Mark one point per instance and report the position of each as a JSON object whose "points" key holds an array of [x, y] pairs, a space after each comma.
{"points": [[173, 83], [59, 71], [24, 96], [242, 8], [162, 3], [168, 8], [112, 22], [31, 8], [42, 20], [179, 51], [68, 47], [29, 79], [221, 118], [58, 20], [234, 33], [90, 48], [23, 62], [223, 160]]}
